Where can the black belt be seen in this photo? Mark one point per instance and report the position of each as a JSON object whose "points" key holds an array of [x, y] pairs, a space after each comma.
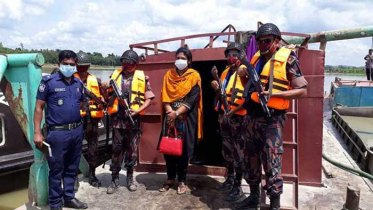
{"points": [[70, 126]]}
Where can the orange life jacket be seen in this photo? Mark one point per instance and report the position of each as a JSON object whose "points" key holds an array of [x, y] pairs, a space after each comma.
{"points": [[239, 99], [92, 85], [137, 98], [280, 81]]}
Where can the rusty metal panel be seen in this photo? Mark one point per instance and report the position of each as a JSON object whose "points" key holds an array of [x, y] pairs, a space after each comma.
{"points": [[310, 140], [309, 116]]}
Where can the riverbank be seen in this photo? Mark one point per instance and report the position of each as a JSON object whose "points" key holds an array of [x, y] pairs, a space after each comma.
{"points": [[344, 73]]}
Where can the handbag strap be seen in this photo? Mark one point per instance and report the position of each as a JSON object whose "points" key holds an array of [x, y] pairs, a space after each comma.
{"points": [[168, 132], [164, 125]]}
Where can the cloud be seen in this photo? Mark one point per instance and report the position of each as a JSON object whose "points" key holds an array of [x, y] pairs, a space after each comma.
{"points": [[11, 9], [18, 9], [110, 26]]}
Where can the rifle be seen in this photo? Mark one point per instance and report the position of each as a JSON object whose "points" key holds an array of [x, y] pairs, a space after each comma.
{"points": [[107, 136], [122, 101], [263, 100], [221, 93], [94, 97]]}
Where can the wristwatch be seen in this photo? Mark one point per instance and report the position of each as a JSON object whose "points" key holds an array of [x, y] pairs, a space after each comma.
{"points": [[177, 113]]}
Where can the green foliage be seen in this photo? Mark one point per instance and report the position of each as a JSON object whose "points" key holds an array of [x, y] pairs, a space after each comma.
{"points": [[340, 69], [51, 56]]}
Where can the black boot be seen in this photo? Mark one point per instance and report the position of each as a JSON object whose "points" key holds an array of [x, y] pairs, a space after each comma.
{"points": [[76, 184], [227, 184], [131, 186], [93, 181], [236, 192], [252, 202], [75, 204], [113, 185], [274, 202]]}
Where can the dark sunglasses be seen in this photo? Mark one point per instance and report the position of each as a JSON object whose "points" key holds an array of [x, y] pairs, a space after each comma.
{"points": [[235, 54], [265, 41], [127, 62]]}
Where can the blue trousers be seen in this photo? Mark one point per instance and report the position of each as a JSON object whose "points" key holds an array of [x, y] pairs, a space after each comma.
{"points": [[66, 149]]}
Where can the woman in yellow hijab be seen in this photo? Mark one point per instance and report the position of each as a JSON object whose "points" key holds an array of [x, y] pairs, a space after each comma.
{"points": [[182, 104]]}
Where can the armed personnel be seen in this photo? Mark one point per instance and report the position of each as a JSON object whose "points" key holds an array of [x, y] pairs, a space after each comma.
{"points": [[231, 120], [92, 112], [282, 79], [130, 95]]}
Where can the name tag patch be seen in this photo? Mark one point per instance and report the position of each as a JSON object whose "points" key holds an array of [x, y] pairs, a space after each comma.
{"points": [[59, 90]]}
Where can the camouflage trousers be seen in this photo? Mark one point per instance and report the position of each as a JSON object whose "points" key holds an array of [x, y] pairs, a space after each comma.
{"points": [[91, 136], [233, 132], [264, 147], [125, 146]]}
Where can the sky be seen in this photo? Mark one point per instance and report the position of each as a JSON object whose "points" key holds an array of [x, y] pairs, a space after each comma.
{"points": [[109, 26]]}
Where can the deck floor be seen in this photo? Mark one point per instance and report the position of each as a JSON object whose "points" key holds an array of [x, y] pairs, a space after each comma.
{"points": [[202, 193]]}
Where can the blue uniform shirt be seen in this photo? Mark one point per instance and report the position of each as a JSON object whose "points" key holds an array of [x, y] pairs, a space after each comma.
{"points": [[63, 99]]}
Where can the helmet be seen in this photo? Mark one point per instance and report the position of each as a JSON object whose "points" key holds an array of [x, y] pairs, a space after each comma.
{"points": [[83, 58], [233, 46], [130, 55], [268, 29]]}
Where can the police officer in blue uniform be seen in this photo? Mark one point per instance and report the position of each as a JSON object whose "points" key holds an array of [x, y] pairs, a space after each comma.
{"points": [[63, 95]]}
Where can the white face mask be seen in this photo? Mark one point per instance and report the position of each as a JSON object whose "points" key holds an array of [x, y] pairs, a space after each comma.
{"points": [[67, 70], [181, 64]]}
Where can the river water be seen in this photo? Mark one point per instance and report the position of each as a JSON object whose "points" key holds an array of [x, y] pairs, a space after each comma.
{"points": [[17, 198]]}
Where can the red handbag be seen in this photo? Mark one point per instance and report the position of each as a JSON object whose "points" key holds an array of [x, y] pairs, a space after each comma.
{"points": [[170, 145]]}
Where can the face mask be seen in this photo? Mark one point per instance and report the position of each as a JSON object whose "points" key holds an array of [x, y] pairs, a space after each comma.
{"points": [[266, 48], [67, 70], [233, 61], [82, 68], [181, 64]]}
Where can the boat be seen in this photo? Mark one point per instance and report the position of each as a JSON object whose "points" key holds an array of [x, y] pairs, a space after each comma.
{"points": [[297, 169], [351, 93], [17, 156], [354, 124]]}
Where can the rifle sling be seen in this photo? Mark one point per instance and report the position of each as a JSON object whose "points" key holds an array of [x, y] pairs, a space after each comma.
{"points": [[234, 93], [271, 76]]}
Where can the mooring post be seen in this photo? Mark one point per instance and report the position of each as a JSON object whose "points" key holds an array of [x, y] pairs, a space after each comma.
{"points": [[352, 198]]}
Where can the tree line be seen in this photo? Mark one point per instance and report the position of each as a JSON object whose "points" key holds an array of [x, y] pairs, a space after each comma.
{"points": [[345, 69], [51, 56]]}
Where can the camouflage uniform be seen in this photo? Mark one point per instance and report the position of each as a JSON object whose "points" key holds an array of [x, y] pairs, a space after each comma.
{"points": [[125, 144], [126, 137], [233, 134], [264, 146], [91, 136]]}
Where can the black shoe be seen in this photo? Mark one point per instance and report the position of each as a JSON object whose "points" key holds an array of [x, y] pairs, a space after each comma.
{"points": [[252, 202], [93, 181], [195, 160], [131, 186], [113, 185], [274, 202], [235, 194], [55, 208], [76, 184], [227, 184], [75, 204]]}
